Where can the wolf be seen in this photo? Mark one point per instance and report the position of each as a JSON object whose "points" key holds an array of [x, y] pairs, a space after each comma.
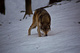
{"points": [[41, 20]]}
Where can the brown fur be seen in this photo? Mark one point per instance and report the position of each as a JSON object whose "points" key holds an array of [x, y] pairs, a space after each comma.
{"points": [[42, 20]]}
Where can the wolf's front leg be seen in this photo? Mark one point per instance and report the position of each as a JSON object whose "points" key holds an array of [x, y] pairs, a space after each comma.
{"points": [[38, 29], [29, 31]]}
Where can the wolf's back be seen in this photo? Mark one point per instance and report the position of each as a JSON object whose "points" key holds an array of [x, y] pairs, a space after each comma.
{"points": [[42, 15]]}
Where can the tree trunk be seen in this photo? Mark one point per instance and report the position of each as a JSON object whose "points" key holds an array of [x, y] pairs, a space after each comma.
{"points": [[53, 1], [28, 9], [2, 6]]}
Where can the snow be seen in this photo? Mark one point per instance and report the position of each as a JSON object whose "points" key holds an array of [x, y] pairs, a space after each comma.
{"points": [[39, 3], [64, 36]]}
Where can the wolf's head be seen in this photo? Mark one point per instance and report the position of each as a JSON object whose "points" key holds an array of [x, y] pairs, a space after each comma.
{"points": [[45, 22], [45, 27]]}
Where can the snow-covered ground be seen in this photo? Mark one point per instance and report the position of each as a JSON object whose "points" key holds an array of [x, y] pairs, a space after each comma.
{"points": [[64, 36]]}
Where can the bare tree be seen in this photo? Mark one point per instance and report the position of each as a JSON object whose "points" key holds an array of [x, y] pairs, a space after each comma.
{"points": [[53, 1], [28, 9], [2, 6]]}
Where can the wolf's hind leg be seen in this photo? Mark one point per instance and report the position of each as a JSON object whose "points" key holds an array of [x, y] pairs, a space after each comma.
{"points": [[31, 27], [34, 24]]}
